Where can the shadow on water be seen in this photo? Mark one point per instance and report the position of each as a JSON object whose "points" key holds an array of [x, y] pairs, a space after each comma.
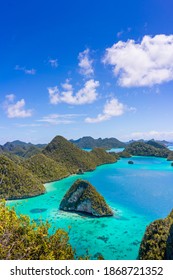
{"points": [[38, 210]]}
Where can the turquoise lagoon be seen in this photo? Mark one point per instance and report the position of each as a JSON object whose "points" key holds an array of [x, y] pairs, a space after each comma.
{"points": [[138, 194], [116, 150]]}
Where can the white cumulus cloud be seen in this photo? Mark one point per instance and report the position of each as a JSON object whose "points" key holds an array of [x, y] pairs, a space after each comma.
{"points": [[10, 97], [55, 119], [87, 94], [26, 71], [85, 63], [153, 134], [53, 63], [112, 108], [16, 110], [144, 63]]}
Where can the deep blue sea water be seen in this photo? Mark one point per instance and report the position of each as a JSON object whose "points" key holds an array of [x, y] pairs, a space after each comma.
{"points": [[138, 194]]}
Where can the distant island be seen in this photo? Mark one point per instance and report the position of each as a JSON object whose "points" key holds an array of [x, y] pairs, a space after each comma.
{"points": [[88, 142], [149, 148], [21, 148], [83, 197]]}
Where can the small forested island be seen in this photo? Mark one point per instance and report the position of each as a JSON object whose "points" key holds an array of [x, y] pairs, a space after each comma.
{"points": [[157, 243], [83, 197], [130, 162], [150, 148]]}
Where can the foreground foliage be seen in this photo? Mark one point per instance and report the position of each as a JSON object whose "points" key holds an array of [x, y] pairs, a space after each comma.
{"points": [[22, 240], [157, 243]]}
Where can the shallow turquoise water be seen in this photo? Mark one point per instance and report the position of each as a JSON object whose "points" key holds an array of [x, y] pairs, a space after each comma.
{"points": [[116, 150], [87, 149], [138, 194]]}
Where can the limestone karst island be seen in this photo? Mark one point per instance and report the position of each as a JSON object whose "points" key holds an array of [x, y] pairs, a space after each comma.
{"points": [[86, 134], [70, 184], [83, 197]]}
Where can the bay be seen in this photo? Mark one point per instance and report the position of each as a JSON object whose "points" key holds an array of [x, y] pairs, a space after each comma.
{"points": [[138, 193]]}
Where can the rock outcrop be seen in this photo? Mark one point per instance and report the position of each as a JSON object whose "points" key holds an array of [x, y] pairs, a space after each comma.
{"points": [[130, 162], [83, 197]]}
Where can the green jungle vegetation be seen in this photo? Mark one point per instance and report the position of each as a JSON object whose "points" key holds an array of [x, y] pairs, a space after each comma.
{"points": [[73, 158], [21, 239], [100, 156], [21, 149], [170, 156], [156, 144], [83, 197], [24, 177], [89, 142], [24, 169], [157, 243], [151, 148], [16, 181], [21, 176], [124, 154], [45, 168]]}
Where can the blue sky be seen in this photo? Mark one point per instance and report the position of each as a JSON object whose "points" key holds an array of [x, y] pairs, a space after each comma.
{"points": [[86, 68]]}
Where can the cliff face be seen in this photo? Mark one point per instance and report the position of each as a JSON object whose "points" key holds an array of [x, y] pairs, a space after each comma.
{"points": [[157, 243], [83, 197]]}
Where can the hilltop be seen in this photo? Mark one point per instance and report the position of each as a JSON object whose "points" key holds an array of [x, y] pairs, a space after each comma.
{"points": [[24, 177], [73, 158], [21, 148]]}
